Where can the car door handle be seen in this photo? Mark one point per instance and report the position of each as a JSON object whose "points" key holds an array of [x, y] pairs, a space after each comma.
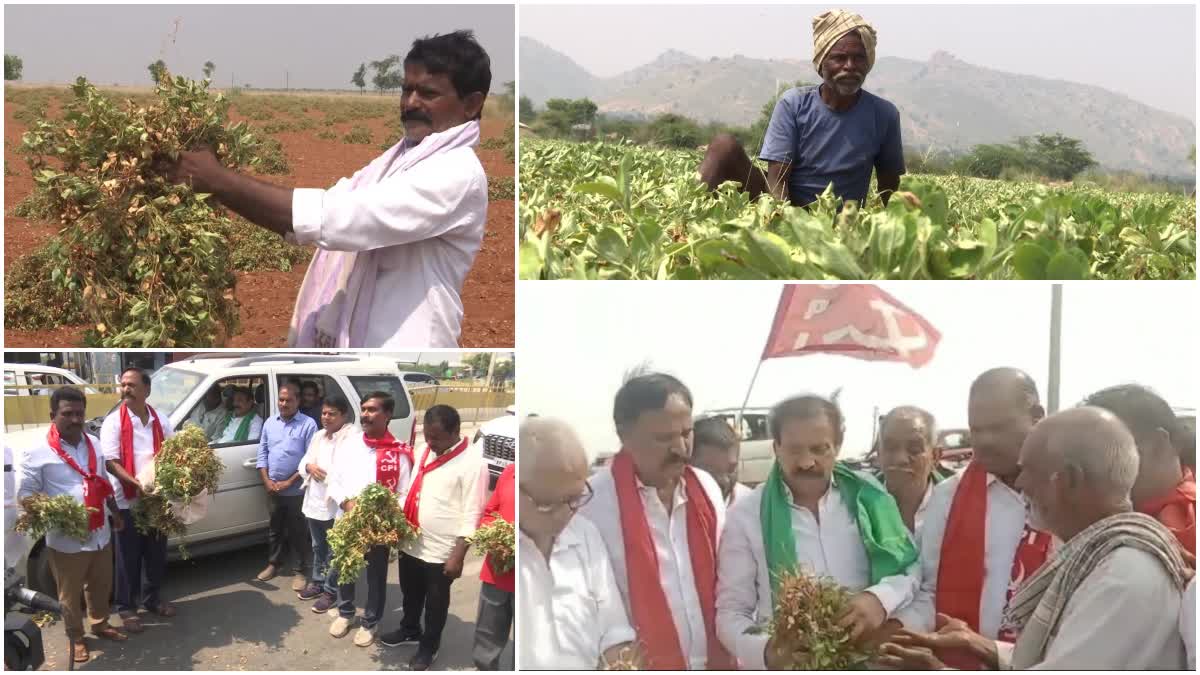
{"points": [[250, 463]]}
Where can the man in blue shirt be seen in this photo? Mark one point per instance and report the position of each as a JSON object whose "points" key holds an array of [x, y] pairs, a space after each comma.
{"points": [[831, 133], [285, 438]]}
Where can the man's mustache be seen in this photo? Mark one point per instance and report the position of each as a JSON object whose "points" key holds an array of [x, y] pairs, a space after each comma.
{"points": [[407, 116]]}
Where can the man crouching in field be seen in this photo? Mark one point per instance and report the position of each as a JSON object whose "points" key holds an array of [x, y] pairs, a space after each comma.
{"points": [[397, 239], [834, 132]]}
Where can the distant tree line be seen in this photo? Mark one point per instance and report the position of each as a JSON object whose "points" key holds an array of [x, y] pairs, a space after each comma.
{"points": [[12, 67]]}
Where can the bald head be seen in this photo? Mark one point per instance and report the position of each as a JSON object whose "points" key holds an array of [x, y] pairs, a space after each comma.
{"points": [[549, 446], [911, 416], [1091, 441], [1001, 410], [1007, 382]]}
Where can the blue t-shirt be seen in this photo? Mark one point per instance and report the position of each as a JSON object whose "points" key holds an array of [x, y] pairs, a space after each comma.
{"points": [[824, 145]]}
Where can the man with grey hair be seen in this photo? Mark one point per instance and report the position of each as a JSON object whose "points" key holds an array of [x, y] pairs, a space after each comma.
{"points": [[571, 613], [910, 461], [1110, 598]]}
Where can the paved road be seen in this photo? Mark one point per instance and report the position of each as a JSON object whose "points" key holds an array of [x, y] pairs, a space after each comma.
{"points": [[228, 620]]}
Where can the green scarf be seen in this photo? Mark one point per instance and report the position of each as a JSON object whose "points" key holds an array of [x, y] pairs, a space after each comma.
{"points": [[243, 430], [890, 549]]}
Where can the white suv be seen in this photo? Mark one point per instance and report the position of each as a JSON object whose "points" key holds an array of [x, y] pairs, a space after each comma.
{"points": [[499, 443], [21, 379], [238, 514]]}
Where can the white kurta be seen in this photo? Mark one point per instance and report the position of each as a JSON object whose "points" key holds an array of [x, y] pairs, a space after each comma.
{"points": [[739, 491], [229, 433], [1187, 623], [569, 611], [327, 453], [1124, 616], [355, 469], [1004, 525], [143, 446], [830, 548], [671, 543], [209, 420], [452, 499], [430, 222]]}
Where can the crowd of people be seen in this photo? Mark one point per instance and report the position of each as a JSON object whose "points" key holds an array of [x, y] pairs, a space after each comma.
{"points": [[312, 470], [1067, 543]]}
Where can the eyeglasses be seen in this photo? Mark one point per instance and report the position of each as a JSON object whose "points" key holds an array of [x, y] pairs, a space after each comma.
{"points": [[574, 503]]}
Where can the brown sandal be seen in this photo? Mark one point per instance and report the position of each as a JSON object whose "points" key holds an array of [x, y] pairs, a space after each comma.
{"points": [[79, 653], [107, 632], [131, 623], [164, 609]]}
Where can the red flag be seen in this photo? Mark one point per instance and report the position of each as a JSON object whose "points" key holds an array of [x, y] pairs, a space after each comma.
{"points": [[857, 320]]}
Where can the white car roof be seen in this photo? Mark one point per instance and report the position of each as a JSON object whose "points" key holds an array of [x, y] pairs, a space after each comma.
{"points": [[506, 426], [39, 368], [287, 362]]}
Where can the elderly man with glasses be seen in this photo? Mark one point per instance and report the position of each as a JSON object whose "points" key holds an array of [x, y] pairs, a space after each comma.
{"points": [[571, 613]]}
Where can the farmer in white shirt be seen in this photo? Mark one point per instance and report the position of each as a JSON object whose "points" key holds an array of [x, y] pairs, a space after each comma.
{"points": [[398, 238], [1110, 597], [660, 520], [210, 414], [245, 424], [811, 513], [909, 461], [374, 456], [445, 499], [716, 449], [68, 462], [130, 438], [977, 545], [571, 614], [328, 449]]}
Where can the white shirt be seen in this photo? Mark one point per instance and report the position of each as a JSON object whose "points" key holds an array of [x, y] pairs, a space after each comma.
{"points": [[1187, 623], [42, 470], [452, 499], [329, 453], [831, 548], [355, 470], [425, 226], [569, 612], [1124, 616], [209, 420], [229, 433], [1004, 524], [670, 541], [739, 491], [143, 446]]}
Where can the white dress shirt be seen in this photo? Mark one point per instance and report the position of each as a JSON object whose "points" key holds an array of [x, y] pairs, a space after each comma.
{"points": [[143, 446], [1003, 526], [329, 452], [424, 224], [670, 541], [229, 433], [1124, 616], [355, 470], [43, 471], [830, 548], [1187, 623], [739, 491], [209, 420], [570, 611], [452, 499]]}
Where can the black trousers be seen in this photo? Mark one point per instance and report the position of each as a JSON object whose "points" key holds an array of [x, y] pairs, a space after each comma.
{"points": [[492, 626], [426, 590], [289, 529]]}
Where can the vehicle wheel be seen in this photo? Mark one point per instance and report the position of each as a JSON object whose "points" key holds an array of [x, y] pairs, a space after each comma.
{"points": [[40, 578]]}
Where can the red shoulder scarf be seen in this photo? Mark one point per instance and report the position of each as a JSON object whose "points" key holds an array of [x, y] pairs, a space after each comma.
{"points": [[412, 505], [388, 452], [95, 488], [1177, 511], [961, 569], [649, 609], [127, 442]]}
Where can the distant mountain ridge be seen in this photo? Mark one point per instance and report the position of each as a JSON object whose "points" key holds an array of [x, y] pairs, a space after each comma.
{"points": [[945, 103]]}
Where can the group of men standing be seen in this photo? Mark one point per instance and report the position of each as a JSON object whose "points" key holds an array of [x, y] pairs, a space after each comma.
{"points": [[1067, 543], [312, 471]]}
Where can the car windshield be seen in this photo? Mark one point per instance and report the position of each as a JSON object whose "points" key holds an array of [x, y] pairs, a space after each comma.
{"points": [[168, 389]]}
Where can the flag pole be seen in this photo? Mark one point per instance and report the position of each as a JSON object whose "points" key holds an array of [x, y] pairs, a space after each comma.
{"points": [[1055, 347], [746, 400]]}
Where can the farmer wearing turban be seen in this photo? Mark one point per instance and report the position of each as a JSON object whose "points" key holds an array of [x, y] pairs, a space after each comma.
{"points": [[834, 132]]}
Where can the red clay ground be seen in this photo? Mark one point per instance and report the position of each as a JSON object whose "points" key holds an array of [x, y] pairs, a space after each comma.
{"points": [[266, 297]]}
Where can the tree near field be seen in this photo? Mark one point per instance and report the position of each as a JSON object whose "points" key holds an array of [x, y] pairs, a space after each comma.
{"points": [[990, 160], [156, 70], [509, 97], [479, 363], [359, 79], [753, 137], [561, 114], [1056, 156], [676, 131], [526, 113], [12, 67], [209, 69], [386, 79]]}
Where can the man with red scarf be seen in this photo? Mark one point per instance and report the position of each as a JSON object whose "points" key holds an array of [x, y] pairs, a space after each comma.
{"points": [[69, 463], [494, 620], [130, 438], [377, 458], [444, 502], [1165, 490], [660, 520], [977, 545]]}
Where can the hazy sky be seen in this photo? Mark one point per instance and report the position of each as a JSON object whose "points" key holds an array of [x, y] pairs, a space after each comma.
{"points": [[319, 45], [1147, 52], [578, 340]]}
